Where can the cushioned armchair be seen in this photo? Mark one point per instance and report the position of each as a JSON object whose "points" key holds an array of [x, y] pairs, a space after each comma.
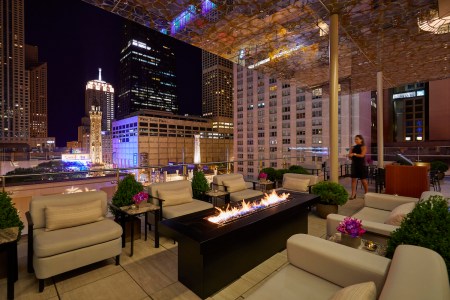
{"points": [[69, 231], [320, 269], [381, 214], [176, 198], [235, 185], [299, 182]]}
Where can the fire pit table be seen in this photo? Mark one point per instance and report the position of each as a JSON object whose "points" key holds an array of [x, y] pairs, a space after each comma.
{"points": [[212, 255]]}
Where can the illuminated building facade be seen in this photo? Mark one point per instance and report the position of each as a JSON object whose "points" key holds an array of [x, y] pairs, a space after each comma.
{"points": [[153, 138], [37, 78], [14, 92], [100, 93], [217, 86], [147, 72], [95, 143], [278, 124]]}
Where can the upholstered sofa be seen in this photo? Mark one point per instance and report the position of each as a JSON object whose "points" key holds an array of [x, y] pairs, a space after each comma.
{"points": [[381, 214], [299, 182], [177, 196], [68, 231], [235, 185], [320, 269]]}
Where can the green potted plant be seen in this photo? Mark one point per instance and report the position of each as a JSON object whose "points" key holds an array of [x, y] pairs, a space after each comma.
{"points": [[126, 189], [270, 173], [439, 167], [199, 185], [9, 216], [331, 195], [298, 170], [428, 226]]}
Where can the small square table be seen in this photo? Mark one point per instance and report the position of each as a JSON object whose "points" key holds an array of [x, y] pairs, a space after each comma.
{"points": [[215, 194], [263, 184], [128, 213], [380, 249], [8, 243]]}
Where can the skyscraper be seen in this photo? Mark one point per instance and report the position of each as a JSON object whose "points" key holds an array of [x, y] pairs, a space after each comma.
{"points": [[217, 86], [100, 93], [147, 72], [14, 93], [37, 77]]}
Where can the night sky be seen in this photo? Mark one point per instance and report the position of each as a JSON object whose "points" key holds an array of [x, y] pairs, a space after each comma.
{"points": [[75, 39]]}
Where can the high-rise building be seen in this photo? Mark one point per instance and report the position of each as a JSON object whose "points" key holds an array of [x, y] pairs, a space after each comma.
{"points": [[14, 93], [279, 124], [95, 144], [100, 93], [217, 86], [147, 72], [37, 78]]}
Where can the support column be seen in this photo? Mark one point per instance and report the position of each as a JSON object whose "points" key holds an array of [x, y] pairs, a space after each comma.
{"points": [[334, 82], [380, 139]]}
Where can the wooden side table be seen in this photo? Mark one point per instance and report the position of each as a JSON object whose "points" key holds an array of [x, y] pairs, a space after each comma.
{"points": [[215, 194], [8, 243], [263, 185], [126, 213]]}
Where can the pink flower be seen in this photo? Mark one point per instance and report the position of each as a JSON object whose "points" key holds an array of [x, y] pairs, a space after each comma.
{"points": [[351, 226], [262, 175], [140, 197]]}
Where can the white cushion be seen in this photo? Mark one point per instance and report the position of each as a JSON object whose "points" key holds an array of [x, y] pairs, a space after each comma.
{"points": [[185, 208], [64, 216], [360, 291], [399, 213], [235, 185], [175, 197], [296, 184]]}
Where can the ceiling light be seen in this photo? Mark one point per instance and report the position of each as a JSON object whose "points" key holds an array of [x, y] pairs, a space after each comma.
{"points": [[431, 22]]}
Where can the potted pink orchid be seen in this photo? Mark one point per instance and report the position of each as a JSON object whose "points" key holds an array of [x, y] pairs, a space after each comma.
{"points": [[351, 231], [262, 176], [139, 198]]}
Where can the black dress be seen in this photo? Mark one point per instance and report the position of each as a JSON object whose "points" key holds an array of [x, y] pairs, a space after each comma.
{"points": [[358, 164]]}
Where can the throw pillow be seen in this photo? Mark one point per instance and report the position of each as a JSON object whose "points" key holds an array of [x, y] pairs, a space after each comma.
{"points": [[235, 185], [177, 197], [65, 216], [296, 184], [360, 291], [399, 213]]}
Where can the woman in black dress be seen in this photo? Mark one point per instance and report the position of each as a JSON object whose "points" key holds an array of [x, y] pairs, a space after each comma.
{"points": [[358, 156]]}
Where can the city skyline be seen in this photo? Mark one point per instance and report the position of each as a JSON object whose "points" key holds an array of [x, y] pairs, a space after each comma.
{"points": [[75, 40]]}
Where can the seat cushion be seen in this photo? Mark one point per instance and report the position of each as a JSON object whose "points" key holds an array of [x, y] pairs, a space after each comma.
{"points": [[175, 197], [64, 216], [296, 184], [359, 291], [399, 213], [294, 283], [184, 209], [48, 243], [245, 194], [372, 214], [234, 185]]}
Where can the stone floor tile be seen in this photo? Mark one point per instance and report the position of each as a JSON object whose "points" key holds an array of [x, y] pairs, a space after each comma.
{"points": [[175, 291]]}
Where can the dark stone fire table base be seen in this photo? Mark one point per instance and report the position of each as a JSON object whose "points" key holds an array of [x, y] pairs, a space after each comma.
{"points": [[210, 256]]}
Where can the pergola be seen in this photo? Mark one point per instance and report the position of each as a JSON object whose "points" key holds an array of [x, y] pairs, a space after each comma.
{"points": [[312, 42]]}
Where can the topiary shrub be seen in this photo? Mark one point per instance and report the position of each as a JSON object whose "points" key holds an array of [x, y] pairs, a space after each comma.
{"points": [[270, 173], [428, 226], [126, 189], [330, 193], [439, 166], [298, 170], [9, 216], [199, 185]]}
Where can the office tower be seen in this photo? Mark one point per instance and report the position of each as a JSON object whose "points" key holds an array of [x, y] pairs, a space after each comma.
{"points": [[217, 86], [14, 93], [147, 72], [100, 93], [279, 124], [95, 144], [37, 77]]}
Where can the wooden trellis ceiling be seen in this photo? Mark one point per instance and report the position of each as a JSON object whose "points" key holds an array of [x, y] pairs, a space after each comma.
{"points": [[375, 35]]}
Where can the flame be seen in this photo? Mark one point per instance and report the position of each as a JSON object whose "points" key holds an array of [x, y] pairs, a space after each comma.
{"points": [[247, 207]]}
